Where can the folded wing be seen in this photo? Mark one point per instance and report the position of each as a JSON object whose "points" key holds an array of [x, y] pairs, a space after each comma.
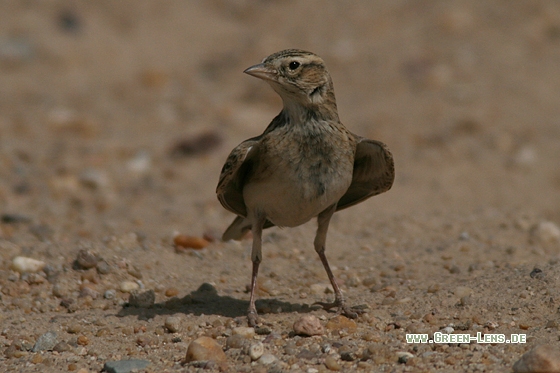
{"points": [[374, 172]]}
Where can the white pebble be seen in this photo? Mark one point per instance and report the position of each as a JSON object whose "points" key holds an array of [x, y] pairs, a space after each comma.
{"points": [[447, 330], [128, 286], [267, 359], [244, 331], [23, 264], [256, 351], [546, 232], [320, 289]]}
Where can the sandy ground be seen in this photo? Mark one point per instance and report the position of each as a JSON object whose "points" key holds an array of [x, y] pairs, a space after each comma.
{"points": [[102, 109]]}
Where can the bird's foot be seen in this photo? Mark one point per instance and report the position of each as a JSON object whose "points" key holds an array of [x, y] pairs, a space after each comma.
{"points": [[252, 318], [343, 309]]}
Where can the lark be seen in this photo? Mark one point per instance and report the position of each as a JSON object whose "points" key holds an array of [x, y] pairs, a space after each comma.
{"points": [[305, 164]]}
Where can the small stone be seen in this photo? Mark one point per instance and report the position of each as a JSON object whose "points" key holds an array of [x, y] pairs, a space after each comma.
{"points": [[125, 366], [145, 299], [37, 359], [59, 291], [256, 351], [462, 291], [348, 355], [190, 242], [447, 330], [546, 232], [236, 341], [23, 264], [103, 267], [88, 290], [62, 347], [543, 358], [199, 144], [340, 322], [331, 363], [128, 286], [205, 348], [537, 273], [403, 356], [245, 331], [173, 324], [110, 294], [94, 179], [171, 292], [267, 359], [434, 288], [82, 340], [308, 325], [86, 259], [74, 328], [135, 272], [320, 289], [46, 342]]}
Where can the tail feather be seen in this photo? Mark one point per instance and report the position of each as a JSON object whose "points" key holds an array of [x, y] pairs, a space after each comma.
{"points": [[237, 229]]}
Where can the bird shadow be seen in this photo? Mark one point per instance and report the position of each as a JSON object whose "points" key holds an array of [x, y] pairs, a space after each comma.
{"points": [[204, 301]]}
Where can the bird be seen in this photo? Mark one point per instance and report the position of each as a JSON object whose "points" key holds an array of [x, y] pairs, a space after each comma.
{"points": [[306, 164]]}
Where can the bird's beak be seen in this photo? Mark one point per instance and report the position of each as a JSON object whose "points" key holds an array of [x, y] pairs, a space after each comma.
{"points": [[262, 71]]}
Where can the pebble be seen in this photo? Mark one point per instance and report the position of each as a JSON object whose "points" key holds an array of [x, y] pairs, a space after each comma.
{"points": [[173, 324], [403, 356], [62, 347], [195, 145], [86, 259], [447, 330], [543, 358], [125, 366], [103, 267], [128, 286], [235, 341], [94, 179], [463, 291], [340, 322], [308, 325], [546, 232], [144, 299], [23, 264], [320, 289], [190, 242], [267, 359], [74, 328], [110, 294], [256, 351], [171, 292], [46, 342], [82, 340], [331, 363], [205, 348], [244, 331]]}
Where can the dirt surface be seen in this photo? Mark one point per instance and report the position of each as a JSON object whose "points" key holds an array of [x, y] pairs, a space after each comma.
{"points": [[115, 120]]}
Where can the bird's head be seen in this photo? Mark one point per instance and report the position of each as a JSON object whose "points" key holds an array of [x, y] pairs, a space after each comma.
{"points": [[299, 77]]}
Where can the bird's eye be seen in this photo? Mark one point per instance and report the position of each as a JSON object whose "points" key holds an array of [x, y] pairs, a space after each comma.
{"points": [[293, 65]]}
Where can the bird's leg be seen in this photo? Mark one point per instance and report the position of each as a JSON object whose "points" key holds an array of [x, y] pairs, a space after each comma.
{"points": [[323, 220], [256, 258]]}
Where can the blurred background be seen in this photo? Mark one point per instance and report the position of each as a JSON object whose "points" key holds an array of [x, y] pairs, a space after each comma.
{"points": [[117, 115]]}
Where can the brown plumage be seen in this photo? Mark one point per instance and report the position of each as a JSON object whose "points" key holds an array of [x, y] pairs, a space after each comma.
{"points": [[306, 164]]}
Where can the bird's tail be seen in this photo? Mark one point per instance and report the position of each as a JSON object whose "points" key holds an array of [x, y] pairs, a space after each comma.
{"points": [[237, 229]]}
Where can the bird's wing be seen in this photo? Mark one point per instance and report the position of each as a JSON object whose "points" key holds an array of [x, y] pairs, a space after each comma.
{"points": [[374, 172], [237, 168]]}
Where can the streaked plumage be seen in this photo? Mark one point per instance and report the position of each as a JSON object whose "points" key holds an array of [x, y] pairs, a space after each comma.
{"points": [[306, 164]]}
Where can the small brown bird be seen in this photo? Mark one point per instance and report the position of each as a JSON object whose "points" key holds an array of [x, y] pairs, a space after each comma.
{"points": [[306, 164]]}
